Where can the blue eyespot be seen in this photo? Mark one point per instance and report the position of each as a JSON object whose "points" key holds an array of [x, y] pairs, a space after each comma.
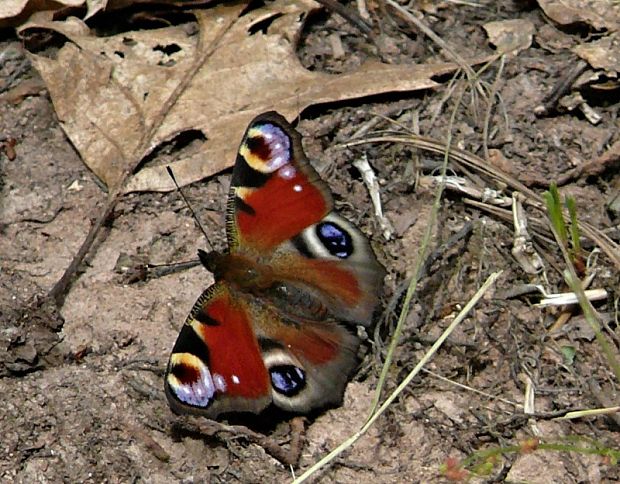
{"points": [[288, 380], [336, 240]]}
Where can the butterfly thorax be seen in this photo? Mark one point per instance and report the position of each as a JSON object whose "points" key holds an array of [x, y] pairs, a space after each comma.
{"points": [[248, 275], [242, 272]]}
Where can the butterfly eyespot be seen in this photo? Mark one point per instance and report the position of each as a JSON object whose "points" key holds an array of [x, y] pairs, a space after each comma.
{"points": [[336, 240], [288, 380], [191, 381], [267, 148]]}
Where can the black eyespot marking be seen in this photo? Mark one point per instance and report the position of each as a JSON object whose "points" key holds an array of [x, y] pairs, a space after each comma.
{"points": [[259, 147], [336, 240], [288, 380], [267, 344], [245, 176]]}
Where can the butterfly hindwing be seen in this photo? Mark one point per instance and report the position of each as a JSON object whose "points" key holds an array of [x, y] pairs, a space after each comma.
{"points": [[335, 258], [222, 364]]}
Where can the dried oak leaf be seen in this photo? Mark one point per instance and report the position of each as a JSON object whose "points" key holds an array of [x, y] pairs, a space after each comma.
{"points": [[598, 15], [14, 12], [109, 92], [512, 35], [603, 53]]}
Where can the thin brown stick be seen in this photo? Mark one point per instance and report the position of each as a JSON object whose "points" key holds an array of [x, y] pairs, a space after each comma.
{"points": [[349, 15], [593, 167], [273, 448], [565, 82]]}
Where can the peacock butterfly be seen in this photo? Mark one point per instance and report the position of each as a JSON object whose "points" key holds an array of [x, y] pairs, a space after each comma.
{"points": [[278, 325]]}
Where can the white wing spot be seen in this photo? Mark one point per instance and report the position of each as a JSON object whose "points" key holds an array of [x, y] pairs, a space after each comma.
{"points": [[287, 172], [219, 382]]}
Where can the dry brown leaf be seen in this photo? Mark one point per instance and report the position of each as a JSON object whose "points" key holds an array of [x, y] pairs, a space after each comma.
{"points": [[595, 13], [602, 53], [510, 35], [108, 91], [15, 12]]}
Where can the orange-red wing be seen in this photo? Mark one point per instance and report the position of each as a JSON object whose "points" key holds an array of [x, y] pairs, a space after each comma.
{"points": [[216, 364], [275, 192]]}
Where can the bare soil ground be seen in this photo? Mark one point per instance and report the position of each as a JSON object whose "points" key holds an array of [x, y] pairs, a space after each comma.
{"points": [[82, 394]]}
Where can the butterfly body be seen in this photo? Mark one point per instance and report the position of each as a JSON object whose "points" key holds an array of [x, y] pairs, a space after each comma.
{"points": [[278, 325]]}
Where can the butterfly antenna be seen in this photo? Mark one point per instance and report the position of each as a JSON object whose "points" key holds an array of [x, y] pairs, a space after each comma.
{"points": [[200, 226]]}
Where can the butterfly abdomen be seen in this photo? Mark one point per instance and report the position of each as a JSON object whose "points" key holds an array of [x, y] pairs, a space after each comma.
{"points": [[302, 303]]}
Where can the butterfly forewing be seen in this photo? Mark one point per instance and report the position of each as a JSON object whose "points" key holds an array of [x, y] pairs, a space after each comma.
{"points": [[275, 192]]}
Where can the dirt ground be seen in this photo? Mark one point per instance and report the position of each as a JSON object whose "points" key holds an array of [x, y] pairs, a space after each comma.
{"points": [[82, 394]]}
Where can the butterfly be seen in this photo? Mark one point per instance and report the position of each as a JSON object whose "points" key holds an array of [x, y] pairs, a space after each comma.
{"points": [[278, 326]]}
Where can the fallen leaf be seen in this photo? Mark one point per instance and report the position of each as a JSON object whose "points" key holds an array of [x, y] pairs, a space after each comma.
{"points": [[603, 53], [510, 35], [598, 15], [120, 83], [15, 12]]}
